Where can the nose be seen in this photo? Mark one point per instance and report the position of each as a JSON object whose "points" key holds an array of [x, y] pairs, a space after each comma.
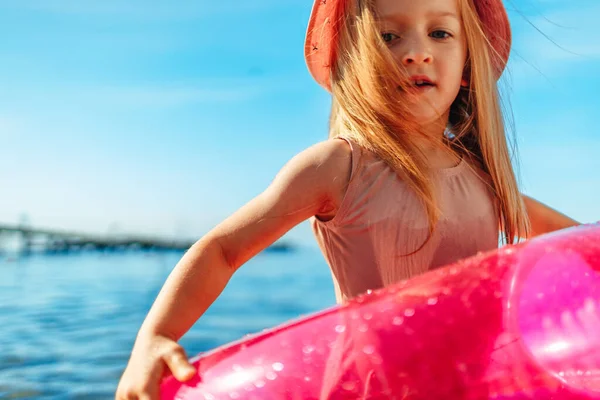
{"points": [[416, 52]]}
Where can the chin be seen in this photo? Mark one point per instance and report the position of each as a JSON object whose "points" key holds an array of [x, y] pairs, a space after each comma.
{"points": [[426, 115]]}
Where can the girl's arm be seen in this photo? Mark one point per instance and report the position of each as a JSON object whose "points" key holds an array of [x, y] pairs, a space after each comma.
{"points": [[312, 183], [545, 219]]}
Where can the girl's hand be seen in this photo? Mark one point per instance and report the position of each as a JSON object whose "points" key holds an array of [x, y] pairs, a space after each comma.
{"points": [[146, 368]]}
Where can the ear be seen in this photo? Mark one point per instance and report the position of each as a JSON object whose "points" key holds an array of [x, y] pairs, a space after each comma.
{"points": [[464, 83]]}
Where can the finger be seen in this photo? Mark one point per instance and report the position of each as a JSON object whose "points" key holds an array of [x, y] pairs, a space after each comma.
{"points": [[127, 395], [151, 393], [180, 367]]}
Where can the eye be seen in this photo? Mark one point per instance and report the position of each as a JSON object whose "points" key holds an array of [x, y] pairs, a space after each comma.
{"points": [[439, 34], [388, 37]]}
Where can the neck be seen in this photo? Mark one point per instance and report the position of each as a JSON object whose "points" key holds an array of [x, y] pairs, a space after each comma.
{"points": [[432, 134], [434, 146]]}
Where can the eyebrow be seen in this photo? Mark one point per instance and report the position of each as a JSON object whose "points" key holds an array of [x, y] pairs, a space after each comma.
{"points": [[450, 14], [443, 14]]}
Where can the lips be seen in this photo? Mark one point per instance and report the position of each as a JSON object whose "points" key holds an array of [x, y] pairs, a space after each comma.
{"points": [[417, 84], [421, 81]]}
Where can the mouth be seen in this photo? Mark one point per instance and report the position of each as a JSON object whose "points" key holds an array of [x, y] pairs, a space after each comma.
{"points": [[418, 84], [421, 84], [421, 81]]}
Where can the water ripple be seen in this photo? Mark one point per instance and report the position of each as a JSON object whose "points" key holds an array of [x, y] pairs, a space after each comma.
{"points": [[68, 322]]}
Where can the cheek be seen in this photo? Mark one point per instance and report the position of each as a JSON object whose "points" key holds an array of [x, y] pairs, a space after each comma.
{"points": [[454, 66]]}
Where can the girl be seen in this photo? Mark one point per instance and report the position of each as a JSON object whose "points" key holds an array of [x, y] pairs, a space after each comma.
{"points": [[416, 175]]}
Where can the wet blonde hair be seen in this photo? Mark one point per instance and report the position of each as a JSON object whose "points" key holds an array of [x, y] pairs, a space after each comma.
{"points": [[365, 108]]}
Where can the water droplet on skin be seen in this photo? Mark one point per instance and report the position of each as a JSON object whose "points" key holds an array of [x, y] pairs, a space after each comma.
{"points": [[349, 386], [397, 321], [369, 292], [363, 328], [409, 312], [307, 379], [368, 316], [340, 328], [260, 383], [278, 367]]}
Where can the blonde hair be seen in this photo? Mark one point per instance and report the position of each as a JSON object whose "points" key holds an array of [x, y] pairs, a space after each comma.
{"points": [[365, 108]]}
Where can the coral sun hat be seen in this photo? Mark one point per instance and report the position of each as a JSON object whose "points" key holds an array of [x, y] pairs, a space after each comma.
{"points": [[323, 27]]}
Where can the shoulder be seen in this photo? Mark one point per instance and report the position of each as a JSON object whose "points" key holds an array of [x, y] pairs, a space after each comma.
{"points": [[308, 185], [332, 153], [329, 159], [322, 171]]}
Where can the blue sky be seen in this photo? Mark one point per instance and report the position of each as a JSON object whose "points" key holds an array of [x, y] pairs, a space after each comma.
{"points": [[164, 117]]}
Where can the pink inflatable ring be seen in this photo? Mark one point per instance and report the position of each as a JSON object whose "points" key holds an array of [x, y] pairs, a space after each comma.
{"points": [[522, 322]]}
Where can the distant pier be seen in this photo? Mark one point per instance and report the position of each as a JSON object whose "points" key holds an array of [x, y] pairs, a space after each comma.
{"points": [[64, 241]]}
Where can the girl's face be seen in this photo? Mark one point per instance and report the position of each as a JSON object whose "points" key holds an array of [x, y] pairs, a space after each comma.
{"points": [[426, 38]]}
